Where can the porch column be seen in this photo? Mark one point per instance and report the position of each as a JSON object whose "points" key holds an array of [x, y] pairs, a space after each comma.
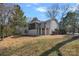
{"points": [[41, 31], [36, 27], [45, 31]]}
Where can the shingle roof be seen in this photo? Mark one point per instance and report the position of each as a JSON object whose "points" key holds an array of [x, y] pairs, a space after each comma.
{"points": [[35, 20]]}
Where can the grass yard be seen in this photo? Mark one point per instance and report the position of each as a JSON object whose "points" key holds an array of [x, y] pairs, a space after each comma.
{"points": [[52, 45]]}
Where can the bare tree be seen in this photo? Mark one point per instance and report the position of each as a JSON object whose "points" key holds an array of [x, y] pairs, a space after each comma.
{"points": [[63, 11], [58, 10], [2, 9], [4, 12], [53, 11]]}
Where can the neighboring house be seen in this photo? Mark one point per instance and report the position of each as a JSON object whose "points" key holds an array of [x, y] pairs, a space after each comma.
{"points": [[37, 27]]}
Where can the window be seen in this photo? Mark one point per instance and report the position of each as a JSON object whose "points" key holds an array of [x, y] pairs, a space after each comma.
{"points": [[32, 26]]}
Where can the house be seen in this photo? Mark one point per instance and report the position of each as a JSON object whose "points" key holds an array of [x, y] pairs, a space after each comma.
{"points": [[37, 27]]}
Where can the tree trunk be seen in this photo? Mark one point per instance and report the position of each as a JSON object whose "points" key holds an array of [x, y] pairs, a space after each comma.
{"points": [[2, 35]]}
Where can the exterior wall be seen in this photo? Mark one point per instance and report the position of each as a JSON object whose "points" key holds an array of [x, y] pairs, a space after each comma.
{"points": [[42, 25], [53, 26], [45, 28], [32, 32], [42, 28], [48, 28]]}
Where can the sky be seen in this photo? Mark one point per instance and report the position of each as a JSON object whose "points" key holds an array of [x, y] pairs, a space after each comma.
{"points": [[39, 10]]}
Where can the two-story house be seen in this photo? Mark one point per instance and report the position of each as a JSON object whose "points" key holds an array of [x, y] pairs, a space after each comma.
{"points": [[37, 27]]}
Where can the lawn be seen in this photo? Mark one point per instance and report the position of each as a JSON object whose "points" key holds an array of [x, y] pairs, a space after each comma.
{"points": [[52, 45]]}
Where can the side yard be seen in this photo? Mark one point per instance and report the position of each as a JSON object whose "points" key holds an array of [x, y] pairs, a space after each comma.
{"points": [[41, 45]]}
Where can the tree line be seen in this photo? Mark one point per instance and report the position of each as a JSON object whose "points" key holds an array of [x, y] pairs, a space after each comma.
{"points": [[69, 19], [11, 18]]}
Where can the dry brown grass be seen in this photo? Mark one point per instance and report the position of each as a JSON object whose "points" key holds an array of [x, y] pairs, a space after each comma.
{"points": [[71, 49], [34, 45], [9, 41]]}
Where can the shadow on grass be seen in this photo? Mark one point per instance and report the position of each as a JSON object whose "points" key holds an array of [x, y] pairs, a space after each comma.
{"points": [[59, 45]]}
